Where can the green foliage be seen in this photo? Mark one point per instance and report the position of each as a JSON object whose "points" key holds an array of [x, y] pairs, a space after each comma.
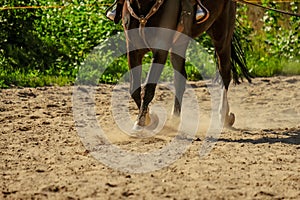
{"points": [[17, 37], [51, 46], [275, 46], [49, 42]]}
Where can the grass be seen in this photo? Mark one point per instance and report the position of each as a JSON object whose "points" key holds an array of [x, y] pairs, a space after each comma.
{"points": [[10, 79], [291, 68], [259, 66], [273, 66]]}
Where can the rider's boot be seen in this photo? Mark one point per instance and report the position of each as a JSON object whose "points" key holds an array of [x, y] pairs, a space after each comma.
{"points": [[116, 14], [199, 13], [111, 14]]}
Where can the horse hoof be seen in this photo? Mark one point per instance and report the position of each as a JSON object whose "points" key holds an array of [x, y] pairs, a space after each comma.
{"points": [[230, 120], [151, 125], [154, 120], [137, 128]]}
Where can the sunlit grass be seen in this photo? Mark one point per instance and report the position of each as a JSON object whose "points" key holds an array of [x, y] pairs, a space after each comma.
{"points": [[272, 66], [20, 79]]}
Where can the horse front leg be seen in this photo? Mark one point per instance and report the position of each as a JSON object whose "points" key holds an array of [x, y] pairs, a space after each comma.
{"points": [[159, 59], [135, 65]]}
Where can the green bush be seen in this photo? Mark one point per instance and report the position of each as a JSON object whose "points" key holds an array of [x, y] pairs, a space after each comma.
{"points": [[50, 42], [48, 46], [275, 46]]}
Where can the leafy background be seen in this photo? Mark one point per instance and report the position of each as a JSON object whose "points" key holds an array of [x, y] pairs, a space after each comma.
{"points": [[48, 46]]}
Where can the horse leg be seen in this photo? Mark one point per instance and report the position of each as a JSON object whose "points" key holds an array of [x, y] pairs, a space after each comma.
{"points": [[222, 43], [135, 65], [178, 53], [224, 64], [180, 76], [159, 59]]}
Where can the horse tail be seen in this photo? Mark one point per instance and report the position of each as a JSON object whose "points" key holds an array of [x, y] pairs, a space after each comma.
{"points": [[238, 60]]}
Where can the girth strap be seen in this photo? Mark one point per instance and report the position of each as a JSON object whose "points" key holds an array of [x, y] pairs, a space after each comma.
{"points": [[143, 20]]}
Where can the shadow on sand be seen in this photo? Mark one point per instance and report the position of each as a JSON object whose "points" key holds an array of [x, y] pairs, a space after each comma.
{"points": [[291, 136]]}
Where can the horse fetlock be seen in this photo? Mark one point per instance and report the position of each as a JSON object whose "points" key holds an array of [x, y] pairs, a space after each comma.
{"points": [[144, 119], [176, 109], [226, 118]]}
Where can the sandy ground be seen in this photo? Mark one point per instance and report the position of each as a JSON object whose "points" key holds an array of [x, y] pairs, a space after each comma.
{"points": [[42, 156]]}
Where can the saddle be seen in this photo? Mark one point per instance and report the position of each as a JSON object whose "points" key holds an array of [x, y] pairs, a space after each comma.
{"points": [[187, 6]]}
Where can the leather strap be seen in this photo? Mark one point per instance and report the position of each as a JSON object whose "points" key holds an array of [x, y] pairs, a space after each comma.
{"points": [[143, 20]]}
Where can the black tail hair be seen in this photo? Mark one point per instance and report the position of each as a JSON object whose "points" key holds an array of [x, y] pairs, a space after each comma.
{"points": [[238, 60]]}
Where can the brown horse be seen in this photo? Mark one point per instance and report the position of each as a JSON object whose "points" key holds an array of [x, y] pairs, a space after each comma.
{"points": [[170, 15]]}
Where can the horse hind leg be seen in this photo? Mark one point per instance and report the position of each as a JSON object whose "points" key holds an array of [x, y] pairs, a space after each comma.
{"points": [[221, 33], [178, 52], [224, 64], [225, 72], [225, 116], [180, 76]]}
